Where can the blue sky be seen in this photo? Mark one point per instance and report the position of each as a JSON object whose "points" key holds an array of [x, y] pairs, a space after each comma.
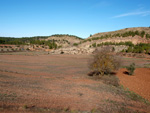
{"points": [[25, 18]]}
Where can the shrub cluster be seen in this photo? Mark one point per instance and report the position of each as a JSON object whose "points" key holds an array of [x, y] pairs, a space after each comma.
{"points": [[102, 66], [131, 69], [50, 43], [104, 63], [139, 48], [75, 44]]}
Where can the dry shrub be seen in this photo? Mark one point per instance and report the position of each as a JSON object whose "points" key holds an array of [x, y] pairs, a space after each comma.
{"points": [[104, 62], [103, 65]]}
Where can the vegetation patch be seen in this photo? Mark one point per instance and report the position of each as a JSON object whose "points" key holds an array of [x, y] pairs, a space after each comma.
{"points": [[139, 48], [126, 34], [102, 66], [104, 63], [131, 69]]}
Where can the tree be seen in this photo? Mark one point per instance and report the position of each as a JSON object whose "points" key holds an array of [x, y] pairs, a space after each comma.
{"points": [[142, 34], [136, 33], [129, 50], [94, 44], [75, 44]]}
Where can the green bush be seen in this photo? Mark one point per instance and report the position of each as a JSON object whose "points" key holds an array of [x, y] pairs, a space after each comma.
{"points": [[129, 50], [147, 36], [75, 44], [142, 34], [94, 44], [131, 69]]}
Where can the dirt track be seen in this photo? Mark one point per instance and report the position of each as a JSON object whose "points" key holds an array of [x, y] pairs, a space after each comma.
{"points": [[59, 82]]}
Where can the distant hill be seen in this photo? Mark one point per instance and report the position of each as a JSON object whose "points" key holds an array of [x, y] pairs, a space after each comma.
{"points": [[122, 31], [54, 41], [64, 40], [119, 40], [135, 35]]}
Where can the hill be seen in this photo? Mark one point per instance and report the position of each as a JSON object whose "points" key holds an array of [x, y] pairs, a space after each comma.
{"points": [[129, 39], [64, 40], [38, 42], [122, 31], [134, 35]]}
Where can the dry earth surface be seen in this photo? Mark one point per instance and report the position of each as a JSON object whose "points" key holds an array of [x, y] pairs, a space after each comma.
{"points": [[139, 82], [40, 82]]}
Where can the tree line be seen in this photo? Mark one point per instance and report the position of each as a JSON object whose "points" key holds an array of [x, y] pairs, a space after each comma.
{"points": [[30, 40], [62, 35], [138, 48]]}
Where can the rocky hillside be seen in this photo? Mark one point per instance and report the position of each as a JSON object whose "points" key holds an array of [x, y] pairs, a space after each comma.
{"points": [[134, 35], [130, 39], [121, 40], [64, 40], [134, 29], [53, 41]]}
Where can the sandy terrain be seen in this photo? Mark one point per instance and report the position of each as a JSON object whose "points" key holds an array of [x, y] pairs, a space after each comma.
{"points": [[59, 83]]}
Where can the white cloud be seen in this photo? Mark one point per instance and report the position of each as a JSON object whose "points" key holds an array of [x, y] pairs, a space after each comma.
{"points": [[141, 13]]}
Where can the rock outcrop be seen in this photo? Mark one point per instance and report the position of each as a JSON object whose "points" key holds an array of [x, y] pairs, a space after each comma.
{"points": [[73, 50]]}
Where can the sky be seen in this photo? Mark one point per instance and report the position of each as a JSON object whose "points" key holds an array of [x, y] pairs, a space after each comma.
{"points": [[27, 18]]}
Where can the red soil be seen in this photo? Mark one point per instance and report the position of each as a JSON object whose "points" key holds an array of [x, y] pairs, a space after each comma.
{"points": [[58, 81], [139, 82]]}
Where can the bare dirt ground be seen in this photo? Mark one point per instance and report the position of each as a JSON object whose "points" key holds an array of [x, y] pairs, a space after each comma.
{"points": [[31, 82], [139, 82]]}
